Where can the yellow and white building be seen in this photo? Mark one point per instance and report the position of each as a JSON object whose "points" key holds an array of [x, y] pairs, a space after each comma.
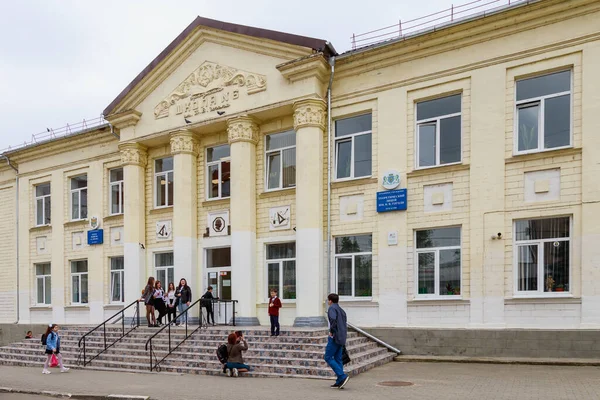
{"points": [[221, 164]]}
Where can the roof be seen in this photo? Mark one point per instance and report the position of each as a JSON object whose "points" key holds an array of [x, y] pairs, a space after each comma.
{"points": [[303, 41]]}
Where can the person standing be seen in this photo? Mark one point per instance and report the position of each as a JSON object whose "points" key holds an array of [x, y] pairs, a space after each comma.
{"points": [[171, 301], [338, 330], [207, 303], [184, 294], [148, 299], [274, 306], [159, 302], [53, 348]]}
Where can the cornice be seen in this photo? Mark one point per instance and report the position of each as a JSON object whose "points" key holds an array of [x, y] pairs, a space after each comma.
{"points": [[313, 66], [242, 129], [124, 119], [310, 113]]}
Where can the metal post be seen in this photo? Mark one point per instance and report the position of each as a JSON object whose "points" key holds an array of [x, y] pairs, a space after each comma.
{"points": [[353, 41], [234, 301], [122, 323], [104, 325], [400, 28], [169, 338], [137, 304], [452, 13], [150, 355], [84, 357]]}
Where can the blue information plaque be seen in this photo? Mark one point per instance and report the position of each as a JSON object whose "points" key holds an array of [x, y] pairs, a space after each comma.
{"points": [[96, 236], [391, 200]]}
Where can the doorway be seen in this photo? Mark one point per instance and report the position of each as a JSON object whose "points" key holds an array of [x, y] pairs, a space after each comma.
{"points": [[218, 275]]}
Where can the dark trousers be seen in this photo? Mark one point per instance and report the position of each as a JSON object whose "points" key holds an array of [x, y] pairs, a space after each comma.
{"points": [[171, 311], [274, 324], [160, 306], [210, 314]]}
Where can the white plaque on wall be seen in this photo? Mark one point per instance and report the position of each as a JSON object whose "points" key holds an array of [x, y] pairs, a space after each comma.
{"points": [[393, 238], [163, 230], [279, 218], [217, 223]]}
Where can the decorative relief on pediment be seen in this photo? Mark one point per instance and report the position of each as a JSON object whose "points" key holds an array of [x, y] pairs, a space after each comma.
{"points": [[211, 87]]}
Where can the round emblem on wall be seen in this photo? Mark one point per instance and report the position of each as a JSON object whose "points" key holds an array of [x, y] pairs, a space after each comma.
{"points": [[218, 224], [94, 223], [390, 179]]}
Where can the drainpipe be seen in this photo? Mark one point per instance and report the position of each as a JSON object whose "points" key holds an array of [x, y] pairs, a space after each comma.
{"points": [[17, 225], [112, 131], [332, 64]]}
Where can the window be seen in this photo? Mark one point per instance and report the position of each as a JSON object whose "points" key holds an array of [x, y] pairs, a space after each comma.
{"points": [[542, 253], [220, 257], [353, 265], [438, 262], [218, 166], [79, 197], [42, 204], [116, 191], [543, 108], [353, 147], [281, 269], [281, 160], [117, 279], [79, 282], [165, 271], [44, 283], [439, 131], [163, 177]]}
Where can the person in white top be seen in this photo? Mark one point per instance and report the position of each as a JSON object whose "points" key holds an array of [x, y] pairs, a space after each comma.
{"points": [[159, 302], [171, 301]]}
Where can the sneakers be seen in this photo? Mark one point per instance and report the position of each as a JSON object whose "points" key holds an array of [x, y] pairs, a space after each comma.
{"points": [[228, 372], [343, 383], [65, 370], [46, 372], [236, 372], [335, 386]]}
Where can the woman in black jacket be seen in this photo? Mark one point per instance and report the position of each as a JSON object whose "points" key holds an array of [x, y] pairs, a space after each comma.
{"points": [[184, 296]]}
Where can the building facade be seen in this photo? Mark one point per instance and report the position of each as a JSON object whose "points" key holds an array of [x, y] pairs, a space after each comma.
{"points": [[215, 168]]}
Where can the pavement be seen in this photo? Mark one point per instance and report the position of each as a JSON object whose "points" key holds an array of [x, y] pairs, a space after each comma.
{"points": [[460, 381]]}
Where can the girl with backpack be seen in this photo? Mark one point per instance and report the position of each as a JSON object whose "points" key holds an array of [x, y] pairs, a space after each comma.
{"points": [[52, 340], [148, 299]]}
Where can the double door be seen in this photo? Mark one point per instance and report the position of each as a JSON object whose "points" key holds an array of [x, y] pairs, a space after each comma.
{"points": [[220, 280]]}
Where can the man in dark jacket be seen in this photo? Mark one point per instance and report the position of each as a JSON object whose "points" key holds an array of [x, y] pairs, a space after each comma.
{"points": [[338, 331], [207, 303]]}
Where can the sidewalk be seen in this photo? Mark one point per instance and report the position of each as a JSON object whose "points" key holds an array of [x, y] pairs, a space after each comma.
{"points": [[430, 381]]}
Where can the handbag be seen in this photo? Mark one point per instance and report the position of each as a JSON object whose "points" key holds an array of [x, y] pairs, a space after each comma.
{"points": [[345, 357], [53, 361]]}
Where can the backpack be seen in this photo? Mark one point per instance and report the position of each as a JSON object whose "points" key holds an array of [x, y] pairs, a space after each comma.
{"points": [[222, 353], [43, 339]]}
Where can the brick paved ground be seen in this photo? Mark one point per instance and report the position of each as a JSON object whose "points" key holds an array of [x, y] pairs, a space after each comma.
{"points": [[431, 381]]}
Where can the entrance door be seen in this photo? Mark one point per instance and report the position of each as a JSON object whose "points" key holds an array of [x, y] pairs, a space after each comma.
{"points": [[218, 272]]}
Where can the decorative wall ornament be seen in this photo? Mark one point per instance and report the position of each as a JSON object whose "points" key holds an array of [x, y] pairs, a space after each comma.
{"points": [[217, 223], [133, 154], [163, 230], [280, 218], [310, 112], [209, 88], [184, 142], [242, 129]]}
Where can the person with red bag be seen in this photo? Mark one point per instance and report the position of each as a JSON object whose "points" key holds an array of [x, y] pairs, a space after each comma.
{"points": [[274, 306], [52, 341]]}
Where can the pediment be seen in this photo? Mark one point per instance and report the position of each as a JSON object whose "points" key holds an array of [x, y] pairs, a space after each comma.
{"points": [[211, 87]]}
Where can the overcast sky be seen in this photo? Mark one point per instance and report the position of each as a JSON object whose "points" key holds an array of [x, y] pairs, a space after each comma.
{"points": [[62, 61]]}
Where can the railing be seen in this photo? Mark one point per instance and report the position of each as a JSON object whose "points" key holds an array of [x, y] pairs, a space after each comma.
{"points": [[186, 321], [432, 21], [135, 322], [375, 339]]}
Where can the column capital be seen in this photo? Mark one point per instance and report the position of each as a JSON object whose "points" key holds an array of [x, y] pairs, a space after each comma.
{"points": [[242, 129], [310, 112], [133, 154], [184, 142]]}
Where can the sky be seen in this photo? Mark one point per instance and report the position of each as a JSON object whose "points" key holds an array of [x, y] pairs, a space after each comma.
{"points": [[62, 61]]}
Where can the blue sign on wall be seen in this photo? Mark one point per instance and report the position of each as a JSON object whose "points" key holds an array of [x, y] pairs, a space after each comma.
{"points": [[391, 200], [96, 236]]}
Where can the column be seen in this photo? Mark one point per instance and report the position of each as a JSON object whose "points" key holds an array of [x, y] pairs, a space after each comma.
{"points": [[243, 136], [184, 148], [134, 158], [309, 123]]}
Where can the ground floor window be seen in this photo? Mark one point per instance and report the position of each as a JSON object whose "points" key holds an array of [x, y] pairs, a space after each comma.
{"points": [[117, 277], [281, 269], [44, 283], [79, 281], [438, 262], [165, 270], [353, 264], [542, 255]]}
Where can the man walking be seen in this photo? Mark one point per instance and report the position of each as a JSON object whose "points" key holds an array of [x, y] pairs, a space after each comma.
{"points": [[336, 341]]}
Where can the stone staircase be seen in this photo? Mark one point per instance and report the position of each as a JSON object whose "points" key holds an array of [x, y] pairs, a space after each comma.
{"points": [[297, 352]]}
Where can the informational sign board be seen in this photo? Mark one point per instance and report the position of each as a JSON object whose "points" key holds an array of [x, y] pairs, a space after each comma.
{"points": [[391, 200], [95, 237]]}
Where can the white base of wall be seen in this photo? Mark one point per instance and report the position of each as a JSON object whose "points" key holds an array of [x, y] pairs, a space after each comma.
{"points": [[185, 254], [243, 272], [309, 271], [135, 271]]}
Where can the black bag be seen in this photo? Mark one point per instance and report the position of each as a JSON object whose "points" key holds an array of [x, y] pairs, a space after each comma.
{"points": [[222, 354], [345, 357], [43, 339]]}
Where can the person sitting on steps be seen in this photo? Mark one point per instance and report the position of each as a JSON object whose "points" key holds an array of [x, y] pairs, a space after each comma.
{"points": [[235, 362]]}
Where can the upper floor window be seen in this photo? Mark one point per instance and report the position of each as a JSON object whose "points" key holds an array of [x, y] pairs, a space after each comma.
{"points": [[117, 279], [438, 262], [163, 178], [42, 204], [353, 263], [281, 160], [542, 254], [439, 131], [116, 191], [543, 112], [218, 165], [79, 281], [44, 283], [353, 147], [281, 269], [165, 268], [79, 197]]}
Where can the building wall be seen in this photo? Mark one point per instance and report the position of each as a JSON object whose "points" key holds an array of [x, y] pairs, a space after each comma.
{"points": [[8, 273]]}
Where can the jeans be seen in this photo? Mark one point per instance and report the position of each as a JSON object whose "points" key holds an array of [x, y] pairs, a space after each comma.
{"points": [[182, 307], [274, 324], [232, 365], [333, 357]]}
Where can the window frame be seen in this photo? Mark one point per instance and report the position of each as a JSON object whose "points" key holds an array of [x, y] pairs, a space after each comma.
{"points": [[352, 256], [43, 278], [78, 190], [436, 251], [437, 122], [164, 174], [165, 268], [42, 198], [121, 273], [351, 137], [540, 268], [267, 162], [280, 262], [121, 192], [541, 102], [79, 274], [219, 162]]}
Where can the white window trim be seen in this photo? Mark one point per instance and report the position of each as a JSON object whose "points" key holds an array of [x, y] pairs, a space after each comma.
{"points": [[165, 268], [541, 101], [280, 151], [121, 273], [43, 278], [280, 262], [165, 175], [43, 205], [78, 191], [436, 120], [346, 138], [539, 242], [110, 194], [436, 250], [79, 274], [351, 255], [218, 162]]}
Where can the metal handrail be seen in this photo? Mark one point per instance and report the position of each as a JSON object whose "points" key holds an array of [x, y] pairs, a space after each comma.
{"points": [[154, 364], [134, 324], [373, 338]]}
